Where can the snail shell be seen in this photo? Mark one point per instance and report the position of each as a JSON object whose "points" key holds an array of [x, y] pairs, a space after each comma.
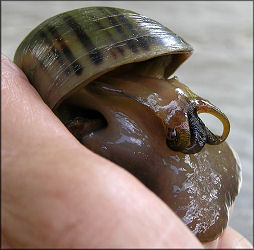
{"points": [[78, 46], [112, 62]]}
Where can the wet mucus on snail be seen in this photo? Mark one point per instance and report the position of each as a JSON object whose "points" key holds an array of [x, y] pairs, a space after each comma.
{"points": [[105, 73]]}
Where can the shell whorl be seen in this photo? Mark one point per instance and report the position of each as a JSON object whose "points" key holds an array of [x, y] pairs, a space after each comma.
{"points": [[69, 50]]}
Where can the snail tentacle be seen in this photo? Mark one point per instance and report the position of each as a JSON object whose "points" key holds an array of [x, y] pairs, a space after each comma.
{"points": [[204, 106], [192, 139], [198, 136]]}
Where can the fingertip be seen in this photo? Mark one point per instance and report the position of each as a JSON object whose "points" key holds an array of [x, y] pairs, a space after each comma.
{"points": [[14, 83], [4, 58], [8, 67]]}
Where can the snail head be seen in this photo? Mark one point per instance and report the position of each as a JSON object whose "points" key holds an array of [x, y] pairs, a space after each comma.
{"points": [[172, 102]]}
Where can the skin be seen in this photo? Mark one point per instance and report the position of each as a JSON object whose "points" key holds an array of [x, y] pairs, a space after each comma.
{"points": [[57, 193]]}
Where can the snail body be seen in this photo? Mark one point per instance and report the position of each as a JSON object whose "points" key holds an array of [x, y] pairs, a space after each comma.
{"points": [[105, 73]]}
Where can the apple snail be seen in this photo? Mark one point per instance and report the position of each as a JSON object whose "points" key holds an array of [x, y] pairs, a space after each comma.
{"points": [[107, 74]]}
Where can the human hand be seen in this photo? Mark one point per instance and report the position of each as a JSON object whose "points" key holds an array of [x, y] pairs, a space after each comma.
{"points": [[57, 193]]}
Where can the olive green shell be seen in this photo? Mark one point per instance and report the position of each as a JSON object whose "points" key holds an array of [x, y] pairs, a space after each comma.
{"points": [[69, 50]]}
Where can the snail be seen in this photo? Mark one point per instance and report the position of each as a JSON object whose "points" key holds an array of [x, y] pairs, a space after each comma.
{"points": [[107, 74]]}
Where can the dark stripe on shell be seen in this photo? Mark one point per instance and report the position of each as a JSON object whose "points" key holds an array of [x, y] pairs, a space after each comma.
{"points": [[111, 14], [101, 27], [141, 41], [135, 42], [53, 52], [115, 24], [94, 54], [77, 68]]}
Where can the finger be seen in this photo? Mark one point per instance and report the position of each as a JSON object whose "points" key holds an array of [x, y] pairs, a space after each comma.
{"points": [[56, 193], [231, 239], [23, 110]]}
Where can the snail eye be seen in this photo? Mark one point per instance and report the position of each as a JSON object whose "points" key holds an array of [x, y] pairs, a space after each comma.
{"points": [[178, 139], [81, 122], [172, 138], [172, 134]]}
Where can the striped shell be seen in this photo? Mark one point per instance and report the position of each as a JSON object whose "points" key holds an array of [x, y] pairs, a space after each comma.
{"points": [[71, 49]]}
